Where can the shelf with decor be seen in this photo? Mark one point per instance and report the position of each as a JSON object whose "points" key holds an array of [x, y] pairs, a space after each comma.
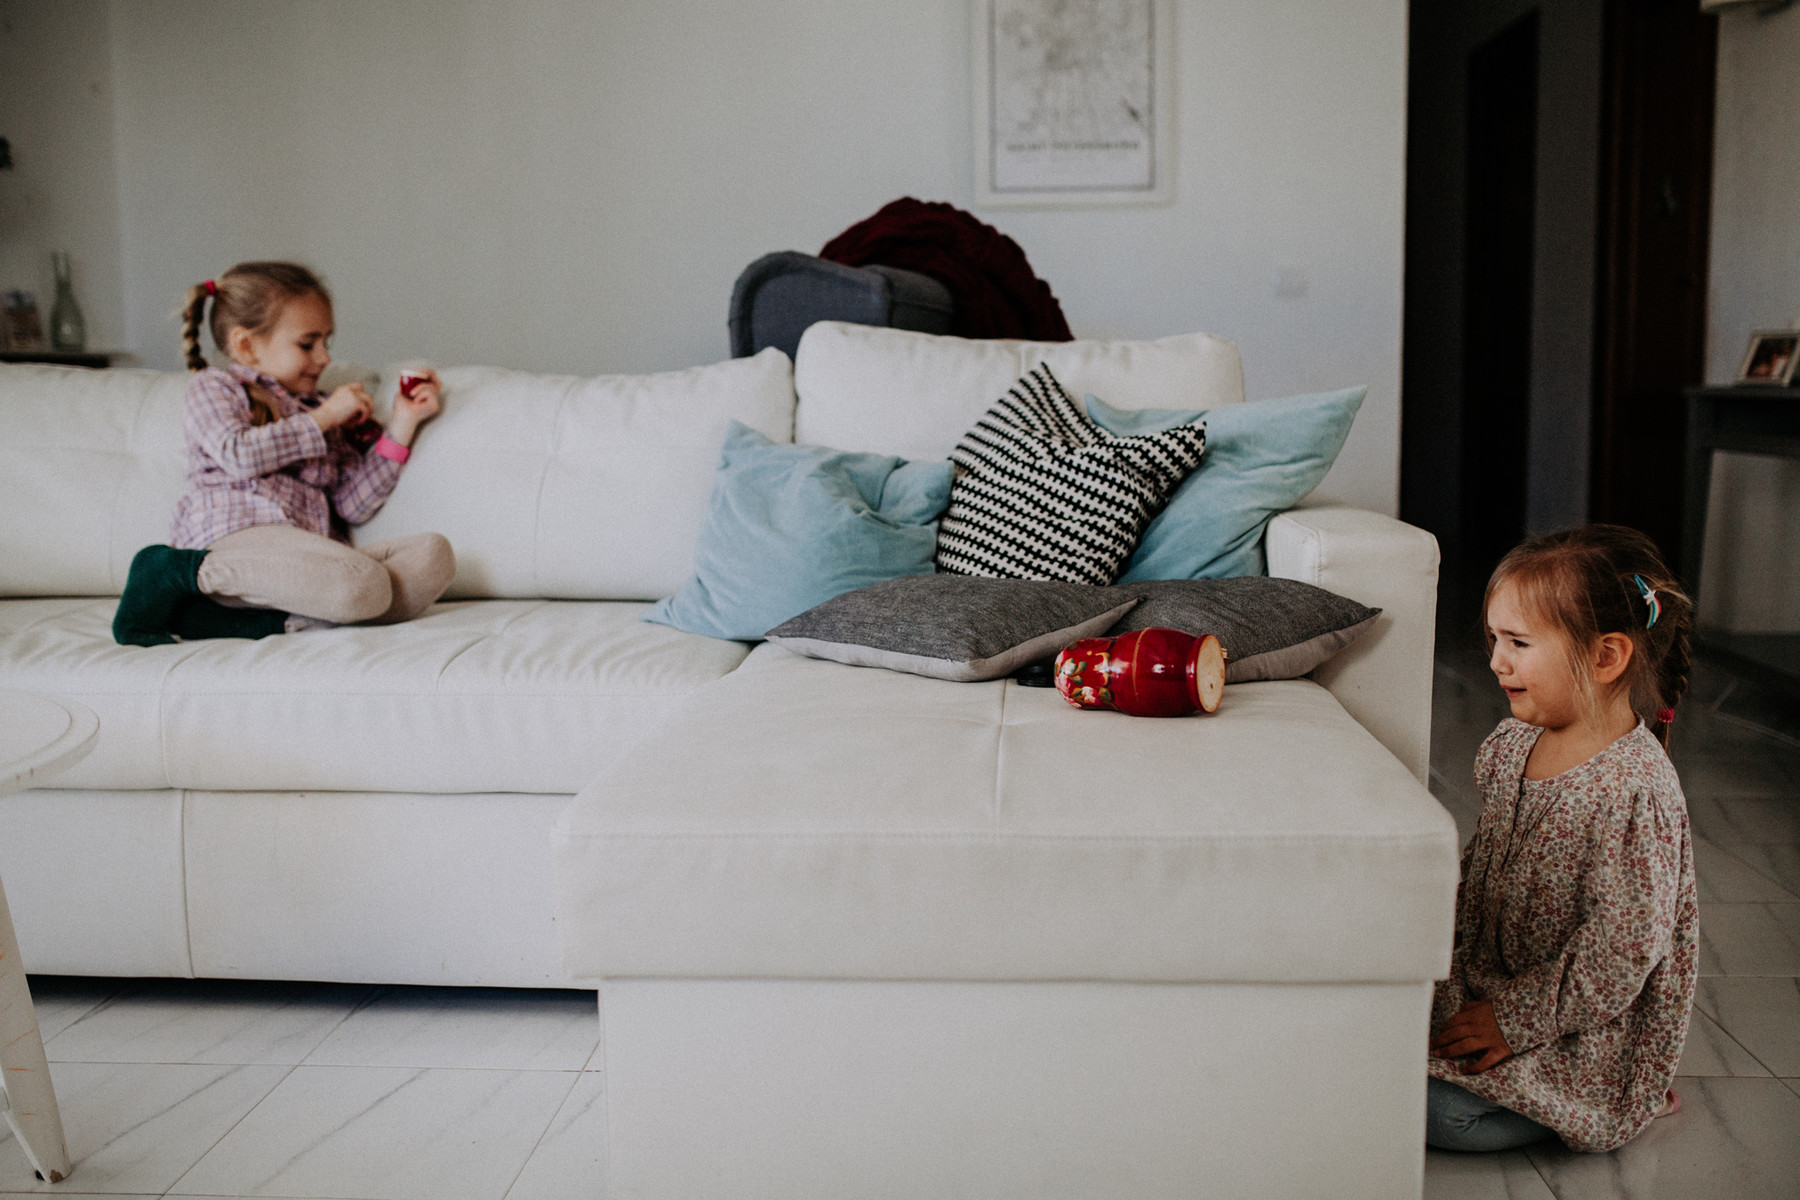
{"points": [[61, 358], [1746, 419]]}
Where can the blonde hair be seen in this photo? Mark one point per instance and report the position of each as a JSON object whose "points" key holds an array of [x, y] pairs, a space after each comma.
{"points": [[251, 294], [1584, 583]]}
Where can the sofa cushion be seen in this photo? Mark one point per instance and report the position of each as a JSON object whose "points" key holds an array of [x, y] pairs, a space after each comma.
{"points": [[495, 696], [1270, 628], [914, 394], [1261, 459], [91, 464], [588, 489], [1043, 493], [956, 627], [802, 819], [789, 527]]}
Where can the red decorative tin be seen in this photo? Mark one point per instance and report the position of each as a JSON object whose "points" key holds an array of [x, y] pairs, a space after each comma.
{"points": [[1152, 672]]}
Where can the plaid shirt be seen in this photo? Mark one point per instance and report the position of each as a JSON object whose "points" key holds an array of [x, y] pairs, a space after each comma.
{"points": [[287, 472]]}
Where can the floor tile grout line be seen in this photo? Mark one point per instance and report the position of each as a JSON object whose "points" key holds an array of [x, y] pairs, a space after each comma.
{"points": [[1726, 849], [110, 1062], [244, 1116], [370, 992], [113, 994], [542, 1134], [1548, 1186], [235, 1196], [1736, 1041], [1716, 1020]]}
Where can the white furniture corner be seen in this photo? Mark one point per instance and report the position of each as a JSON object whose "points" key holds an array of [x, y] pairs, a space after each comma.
{"points": [[38, 738]]}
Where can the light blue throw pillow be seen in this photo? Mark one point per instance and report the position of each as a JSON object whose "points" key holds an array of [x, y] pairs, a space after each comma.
{"points": [[1261, 458], [790, 527]]}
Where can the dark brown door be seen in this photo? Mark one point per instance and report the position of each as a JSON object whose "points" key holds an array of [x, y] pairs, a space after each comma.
{"points": [[1650, 316], [1497, 294]]}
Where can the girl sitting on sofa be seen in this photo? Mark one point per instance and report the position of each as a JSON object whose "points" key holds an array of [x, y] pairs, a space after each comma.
{"points": [[277, 474], [1577, 931]]}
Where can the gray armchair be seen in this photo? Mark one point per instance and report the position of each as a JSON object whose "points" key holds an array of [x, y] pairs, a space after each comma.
{"points": [[780, 294]]}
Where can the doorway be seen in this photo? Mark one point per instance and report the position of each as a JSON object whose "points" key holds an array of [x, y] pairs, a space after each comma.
{"points": [[1657, 80], [1499, 217]]}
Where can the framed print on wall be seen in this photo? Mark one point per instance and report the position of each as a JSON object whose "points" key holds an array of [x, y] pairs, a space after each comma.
{"points": [[1074, 102]]}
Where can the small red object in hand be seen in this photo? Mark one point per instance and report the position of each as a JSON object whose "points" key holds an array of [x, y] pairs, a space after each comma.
{"points": [[364, 433], [1152, 672], [410, 381]]}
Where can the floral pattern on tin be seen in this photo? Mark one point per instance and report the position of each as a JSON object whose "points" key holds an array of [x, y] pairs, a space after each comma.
{"points": [[1082, 676]]}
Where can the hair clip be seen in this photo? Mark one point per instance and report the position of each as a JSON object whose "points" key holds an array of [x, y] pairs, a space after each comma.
{"points": [[212, 288], [1665, 716], [1650, 601]]}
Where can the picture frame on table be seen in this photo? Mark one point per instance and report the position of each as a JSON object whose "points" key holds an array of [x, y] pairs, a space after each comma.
{"points": [[1074, 104], [1770, 358], [21, 328]]}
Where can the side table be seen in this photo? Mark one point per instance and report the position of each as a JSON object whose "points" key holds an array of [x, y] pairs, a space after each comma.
{"points": [[38, 738], [1750, 419], [58, 358]]}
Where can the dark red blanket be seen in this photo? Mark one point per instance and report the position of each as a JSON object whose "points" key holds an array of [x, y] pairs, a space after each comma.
{"points": [[997, 295]]}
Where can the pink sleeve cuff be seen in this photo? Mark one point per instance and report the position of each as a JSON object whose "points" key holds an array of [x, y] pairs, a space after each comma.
{"points": [[387, 447]]}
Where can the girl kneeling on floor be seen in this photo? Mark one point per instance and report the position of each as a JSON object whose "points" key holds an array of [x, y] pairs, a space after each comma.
{"points": [[1577, 931], [277, 474]]}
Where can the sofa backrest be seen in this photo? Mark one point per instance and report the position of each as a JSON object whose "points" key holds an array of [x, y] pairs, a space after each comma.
{"points": [[890, 391], [579, 489], [91, 464], [547, 485]]}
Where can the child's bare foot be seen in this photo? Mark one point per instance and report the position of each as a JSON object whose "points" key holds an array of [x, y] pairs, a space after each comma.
{"points": [[1671, 1104]]}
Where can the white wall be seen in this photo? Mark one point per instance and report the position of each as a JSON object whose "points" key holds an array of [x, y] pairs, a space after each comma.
{"points": [[573, 186], [1751, 580], [56, 107]]}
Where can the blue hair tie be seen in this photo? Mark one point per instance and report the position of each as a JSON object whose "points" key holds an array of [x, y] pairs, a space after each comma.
{"points": [[1650, 601]]}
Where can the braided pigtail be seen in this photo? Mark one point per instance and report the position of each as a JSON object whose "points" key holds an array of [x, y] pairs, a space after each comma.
{"points": [[1669, 658], [192, 311], [262, 405]]}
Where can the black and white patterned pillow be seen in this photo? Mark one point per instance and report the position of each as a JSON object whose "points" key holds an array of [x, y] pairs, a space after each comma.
{"points": [[1041, 492]]}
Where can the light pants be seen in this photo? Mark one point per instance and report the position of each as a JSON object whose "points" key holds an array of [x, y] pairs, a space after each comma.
{"points": [[1458, 1119], [289, 569]]}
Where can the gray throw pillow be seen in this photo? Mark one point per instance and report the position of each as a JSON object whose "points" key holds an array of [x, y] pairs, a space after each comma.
{"points": [[1270, 628], [955, 627]]}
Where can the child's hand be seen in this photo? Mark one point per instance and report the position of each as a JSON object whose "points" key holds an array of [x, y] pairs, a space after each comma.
{"points": [[422, 402], [345, 406], [1472, 1033]]}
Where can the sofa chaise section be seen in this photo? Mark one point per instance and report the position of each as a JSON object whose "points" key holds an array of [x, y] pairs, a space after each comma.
{"points": [[864, 934], [858, 933]]}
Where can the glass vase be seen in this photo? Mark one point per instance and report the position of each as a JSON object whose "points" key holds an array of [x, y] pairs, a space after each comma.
{"points": [[68, 329]]}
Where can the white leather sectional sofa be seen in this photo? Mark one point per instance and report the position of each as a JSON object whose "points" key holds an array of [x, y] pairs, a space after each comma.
{"points": [[854, 933]]}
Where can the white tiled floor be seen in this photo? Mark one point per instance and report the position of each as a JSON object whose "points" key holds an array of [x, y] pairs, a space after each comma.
{"points": [[318, 1090], [321, 1090]]}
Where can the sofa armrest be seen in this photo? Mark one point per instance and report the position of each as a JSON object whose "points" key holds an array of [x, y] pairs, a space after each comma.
{"points": [[1384, 679]]}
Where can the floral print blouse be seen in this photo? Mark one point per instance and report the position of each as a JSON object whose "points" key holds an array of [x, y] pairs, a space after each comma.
{"points": [[1576, 917]]}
